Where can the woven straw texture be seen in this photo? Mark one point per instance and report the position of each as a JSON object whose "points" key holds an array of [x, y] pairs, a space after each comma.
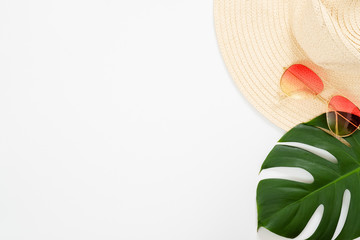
{"points": [[260, 38]]}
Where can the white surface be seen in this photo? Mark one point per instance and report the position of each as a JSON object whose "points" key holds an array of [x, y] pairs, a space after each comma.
{"points": [[119, 121]]}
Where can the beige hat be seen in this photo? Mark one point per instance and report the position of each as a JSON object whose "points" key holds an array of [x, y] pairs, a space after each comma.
{"points": [[259, 39]]}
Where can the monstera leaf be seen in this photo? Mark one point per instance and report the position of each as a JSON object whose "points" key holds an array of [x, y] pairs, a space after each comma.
{"points": [[285, 207]]}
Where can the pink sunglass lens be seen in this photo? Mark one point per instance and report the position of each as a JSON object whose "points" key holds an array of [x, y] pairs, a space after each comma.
{"points": [[343, 116], [300, 81]]}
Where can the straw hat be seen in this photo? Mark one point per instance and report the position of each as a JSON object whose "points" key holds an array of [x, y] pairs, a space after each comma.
{"points": [[260, 38]]}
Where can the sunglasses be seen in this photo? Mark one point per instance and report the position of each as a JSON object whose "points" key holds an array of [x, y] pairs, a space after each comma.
{"points": [[343, 117]]}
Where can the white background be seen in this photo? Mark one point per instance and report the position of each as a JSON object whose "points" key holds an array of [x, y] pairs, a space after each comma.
{"points": [[118, 120]]}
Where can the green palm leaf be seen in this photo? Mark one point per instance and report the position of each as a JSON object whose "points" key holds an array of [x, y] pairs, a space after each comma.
{"points": [[285, 207]]}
